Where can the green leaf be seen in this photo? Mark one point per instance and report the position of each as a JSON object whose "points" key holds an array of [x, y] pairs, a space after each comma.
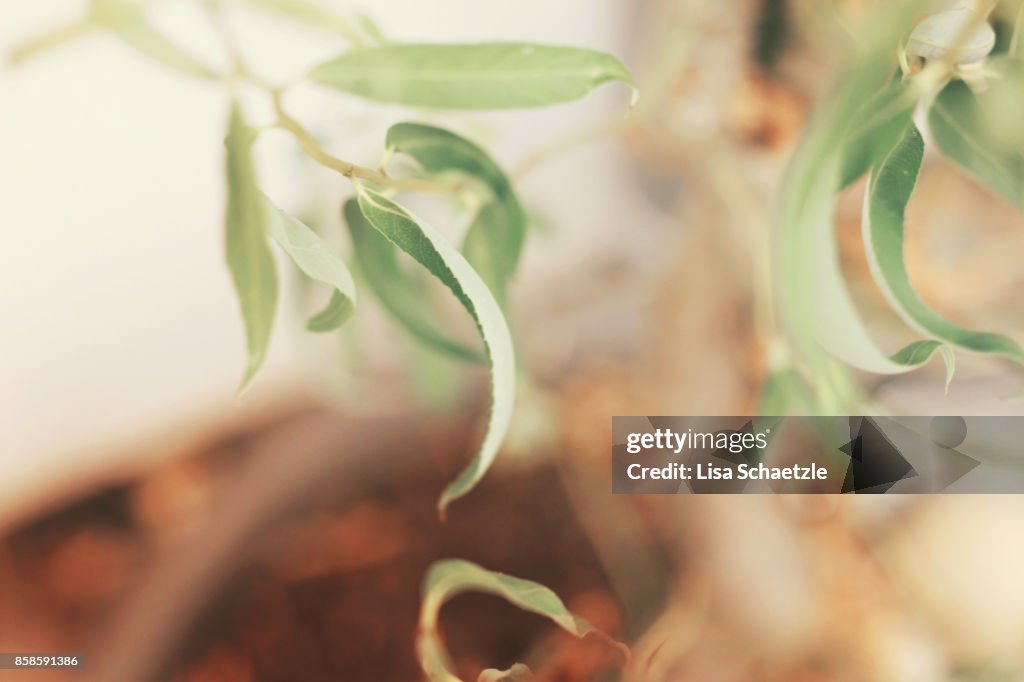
{"points": [[246, 224], [127, 20], [819, 293], [402, 295], [316, 15], [880, 124], [481, 76], [451, 577], [817, 311], [494, 240], [314, 257], [429, 249], [485, 248], [889, 189], [336, 313], [962, 125]]}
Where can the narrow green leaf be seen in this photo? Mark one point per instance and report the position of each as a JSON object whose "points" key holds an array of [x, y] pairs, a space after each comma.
{"points": [[484, 247], [429, 249], [246, 224], [336, 313], [481, 76], [816, 308], [962, 125], [314, 257], [451, 577], [494, 240], [127, 20], [402, 295], [821, 299], [920, 352], [880, 124], [889, 189]]}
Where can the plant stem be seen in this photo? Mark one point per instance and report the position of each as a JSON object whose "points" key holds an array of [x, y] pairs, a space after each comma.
{"points": [[286, 121], [64, 34], [350, 170]]}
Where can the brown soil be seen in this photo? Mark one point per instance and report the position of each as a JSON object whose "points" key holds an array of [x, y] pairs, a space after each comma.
{"points": [[326, 587]]}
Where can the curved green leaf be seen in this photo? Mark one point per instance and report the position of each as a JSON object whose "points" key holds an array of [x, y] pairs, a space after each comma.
{"points": [[314, 257], [481, 76], [246, 225], [451, 577], [336, 313], [889, 189], [961, 125], [817, 310], [882, 121], [819, 296], [429, 249], [494, 240], [402, 295]]}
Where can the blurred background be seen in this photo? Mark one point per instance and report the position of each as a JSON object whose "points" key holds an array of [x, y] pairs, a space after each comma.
{"points": [[172, 528]]}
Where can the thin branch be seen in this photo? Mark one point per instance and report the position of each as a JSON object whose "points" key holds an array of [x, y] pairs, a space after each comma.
{"points": [[350, 170], [286, 121], [58, 36]]}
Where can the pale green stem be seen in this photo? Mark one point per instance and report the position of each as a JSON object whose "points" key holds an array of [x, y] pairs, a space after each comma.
{"points": [[60, 36]]}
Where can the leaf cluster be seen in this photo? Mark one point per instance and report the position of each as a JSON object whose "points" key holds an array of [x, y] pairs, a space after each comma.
{"points": [[868, 127], [484, 76]]}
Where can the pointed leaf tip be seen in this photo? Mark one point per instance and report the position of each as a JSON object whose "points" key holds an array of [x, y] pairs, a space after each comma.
{"points": [[248, 256], [430, 249]]}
